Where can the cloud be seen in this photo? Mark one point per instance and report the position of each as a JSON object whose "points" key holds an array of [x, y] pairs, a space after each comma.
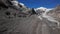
{"points": [[41, 8], [21, 4]]}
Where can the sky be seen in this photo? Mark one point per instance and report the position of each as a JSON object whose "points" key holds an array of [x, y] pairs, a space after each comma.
{"points": [[40, 3]]}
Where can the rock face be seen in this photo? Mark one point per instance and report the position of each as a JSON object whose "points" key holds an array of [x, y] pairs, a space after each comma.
{"points": [[25, 21]]}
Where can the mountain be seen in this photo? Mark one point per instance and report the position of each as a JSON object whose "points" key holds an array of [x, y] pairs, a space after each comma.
{"points": [[16, 18]]}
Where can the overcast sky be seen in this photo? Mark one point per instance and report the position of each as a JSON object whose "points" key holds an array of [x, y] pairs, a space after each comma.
{"points": [[40, 3]]}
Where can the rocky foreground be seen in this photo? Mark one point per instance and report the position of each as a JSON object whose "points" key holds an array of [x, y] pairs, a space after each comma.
{"points": [[25, 20]]}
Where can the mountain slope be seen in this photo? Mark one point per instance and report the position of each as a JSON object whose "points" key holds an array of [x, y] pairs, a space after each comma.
{"points": [[23, 20]]}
